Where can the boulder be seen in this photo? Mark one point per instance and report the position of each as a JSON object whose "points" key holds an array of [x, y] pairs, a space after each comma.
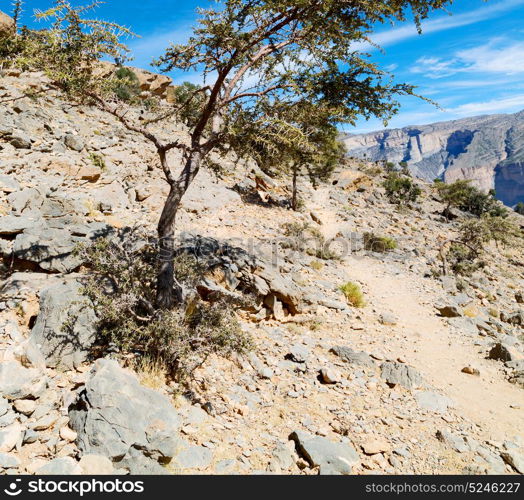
{"points": [[400, 374], [114, 416], [8, 184], [65, 466], [332, 458], [17, 382], [65, 329], [96, 465], [6, 23], [11, 224], [433, 401], [353, 357]]}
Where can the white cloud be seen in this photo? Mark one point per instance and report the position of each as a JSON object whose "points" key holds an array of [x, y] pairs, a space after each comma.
{"points": [[495, 57], [500, 105], [396, 35]]}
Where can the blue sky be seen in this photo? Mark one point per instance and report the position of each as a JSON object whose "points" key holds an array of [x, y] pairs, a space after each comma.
{"points": [[471, 62]]}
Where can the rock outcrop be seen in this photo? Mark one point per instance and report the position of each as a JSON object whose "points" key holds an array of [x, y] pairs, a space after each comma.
{"points": [[489, 150]]}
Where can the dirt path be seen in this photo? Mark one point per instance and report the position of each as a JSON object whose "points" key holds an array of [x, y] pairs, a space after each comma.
{"points": [[425, 341]]}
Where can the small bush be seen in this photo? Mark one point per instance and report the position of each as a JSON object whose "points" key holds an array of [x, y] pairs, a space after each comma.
{"points": [[380, 244], [353, 294], [302, 237], [401, 189], [316, 265], [121, 286], [519, 208], [97, 160], [127, 86]]}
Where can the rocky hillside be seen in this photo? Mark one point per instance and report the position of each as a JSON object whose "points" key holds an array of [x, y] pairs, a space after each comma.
{"points": [[489, 150], [425, 378]]}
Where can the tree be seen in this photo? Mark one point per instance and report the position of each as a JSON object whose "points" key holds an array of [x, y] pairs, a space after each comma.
{"points": [[519, 208], [256, 56], [401, 189]]}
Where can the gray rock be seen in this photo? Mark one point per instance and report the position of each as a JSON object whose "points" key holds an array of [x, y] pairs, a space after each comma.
{"points": [[449, 311], [65, 328], [194, 457], [20, 140], [74, 142], [353, 357], [96, 465], [65, 466], [51, 248], [8, 461], [8, 184], [388, 319], [457, 443], [298, 353], [332, 458], [116, 417], [10, 436], [504, 352], [400, 374], [433, 401], [17, 382], [4, 406], [282, 457], [12, 224], [515, 459]]}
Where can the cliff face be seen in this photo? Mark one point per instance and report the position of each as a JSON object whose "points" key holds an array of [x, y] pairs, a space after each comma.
{"points": [[489, 150]]}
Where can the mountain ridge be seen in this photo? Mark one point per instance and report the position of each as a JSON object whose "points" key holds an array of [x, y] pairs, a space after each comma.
{"points": [[487, 149]]}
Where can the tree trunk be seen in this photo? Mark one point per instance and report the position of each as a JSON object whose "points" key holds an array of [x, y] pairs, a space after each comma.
{"points": [[168, 291], [294, 195]]}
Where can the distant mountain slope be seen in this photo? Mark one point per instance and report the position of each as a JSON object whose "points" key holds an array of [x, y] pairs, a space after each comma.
{"points": [[489, 150]]}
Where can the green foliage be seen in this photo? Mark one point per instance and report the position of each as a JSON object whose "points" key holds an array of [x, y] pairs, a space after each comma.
{"points": [[353, 294], [519, 208], [122, 287], [70, 50], [401, 189], [380, 244], [189, 99], [466, 254], [461, 194], [127, 86], [97, 160], [302, 237]]}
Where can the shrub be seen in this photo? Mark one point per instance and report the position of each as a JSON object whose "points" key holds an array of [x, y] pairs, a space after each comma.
{"points": [[127, 86], [461, 194], [302, 237], [376, 243], [519, 208], [465, 254], [122, 289], [353, 294], [401, 189], [97, 160]]}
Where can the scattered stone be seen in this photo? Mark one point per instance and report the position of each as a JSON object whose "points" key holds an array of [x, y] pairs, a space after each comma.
{"points": [[17, 382], [373, 446], [515, 459], [65, 328], [457, 443], [504, 352], [353, 357], [388, 319], [74, 142], [10, 436], [194, 457], [449, 311], [68, 434], [116, 417], [25, 406], [329, 376], [8, 461], [433, 401], [395, 373], [96, 465], [470, 370], [332, 458], [65, 466], [298, 353]]}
